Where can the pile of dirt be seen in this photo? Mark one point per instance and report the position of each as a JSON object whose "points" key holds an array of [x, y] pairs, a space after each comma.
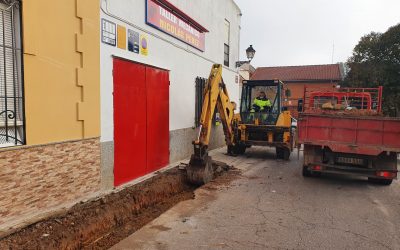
{"points": [[104, 222]]}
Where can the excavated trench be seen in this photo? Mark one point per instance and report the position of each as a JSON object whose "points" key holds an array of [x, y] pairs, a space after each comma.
{"points": [[101, 223]]}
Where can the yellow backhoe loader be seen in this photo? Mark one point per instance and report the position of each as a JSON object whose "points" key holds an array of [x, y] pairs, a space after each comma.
{"points": [[266, 126]]}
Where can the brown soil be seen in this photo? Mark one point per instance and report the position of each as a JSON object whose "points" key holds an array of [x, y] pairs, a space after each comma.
{"points": [[104, 222]]}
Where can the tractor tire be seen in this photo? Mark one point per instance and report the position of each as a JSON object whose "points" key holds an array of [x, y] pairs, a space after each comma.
{"points": [[383, 182], [283, 153], [241, 149], [237, 149], [286, 154], [279, 153], [230, 151]]}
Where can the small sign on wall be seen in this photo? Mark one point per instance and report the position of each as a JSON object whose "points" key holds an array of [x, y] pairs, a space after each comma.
{"points": [[133, 41], [144, 50], [121, 37], [121, 34], [108, 32]]}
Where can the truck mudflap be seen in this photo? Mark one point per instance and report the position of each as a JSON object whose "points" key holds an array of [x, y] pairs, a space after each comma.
{"points": [[385, 174]]}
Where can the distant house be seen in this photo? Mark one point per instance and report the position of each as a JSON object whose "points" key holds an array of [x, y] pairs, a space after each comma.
{"points": [[246, 71], [296, 77]]}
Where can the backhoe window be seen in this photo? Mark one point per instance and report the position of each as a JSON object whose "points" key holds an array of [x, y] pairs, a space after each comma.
{"points": [[260, 102]]}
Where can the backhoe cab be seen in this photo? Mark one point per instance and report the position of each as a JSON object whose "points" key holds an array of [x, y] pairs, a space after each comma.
{"points": [[271, 126], [261, 122]]}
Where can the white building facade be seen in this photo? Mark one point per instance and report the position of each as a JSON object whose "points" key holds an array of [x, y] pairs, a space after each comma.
{"points": [[152, 52]]}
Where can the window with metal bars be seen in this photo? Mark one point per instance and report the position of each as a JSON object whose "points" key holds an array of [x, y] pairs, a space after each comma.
{"points": [[12, 122], [226, 55], [227, 31], [200, 85]]}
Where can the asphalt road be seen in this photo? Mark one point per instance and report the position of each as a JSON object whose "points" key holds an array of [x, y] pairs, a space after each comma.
{"points": [[271, 206]]}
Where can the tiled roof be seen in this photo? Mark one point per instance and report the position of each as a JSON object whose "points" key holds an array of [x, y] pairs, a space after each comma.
{"points": [[296, 73]]}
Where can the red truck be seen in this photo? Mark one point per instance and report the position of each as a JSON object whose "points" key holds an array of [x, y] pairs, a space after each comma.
{"points": [[343, 131]]}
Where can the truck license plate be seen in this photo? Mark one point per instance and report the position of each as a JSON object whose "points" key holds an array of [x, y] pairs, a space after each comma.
{"points": [[352, 161]]}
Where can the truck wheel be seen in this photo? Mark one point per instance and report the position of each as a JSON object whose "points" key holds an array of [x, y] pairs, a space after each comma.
{"points": [[306, 172], [385, 182]]}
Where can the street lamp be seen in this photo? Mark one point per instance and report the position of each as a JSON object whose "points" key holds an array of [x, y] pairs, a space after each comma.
{"points": [[250, 52]]}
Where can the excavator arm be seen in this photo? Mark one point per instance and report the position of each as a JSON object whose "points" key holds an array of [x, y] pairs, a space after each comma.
{"points": [[216, 96]]}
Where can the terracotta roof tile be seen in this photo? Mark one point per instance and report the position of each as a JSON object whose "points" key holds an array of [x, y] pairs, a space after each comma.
{"points": [[307, 72]]}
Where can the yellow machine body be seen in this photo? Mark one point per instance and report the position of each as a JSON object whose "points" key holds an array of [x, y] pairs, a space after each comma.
{"points": [[271, 127]]}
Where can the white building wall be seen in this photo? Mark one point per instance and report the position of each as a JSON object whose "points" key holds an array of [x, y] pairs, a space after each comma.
{"points": [[184, 62], [245, 74]]}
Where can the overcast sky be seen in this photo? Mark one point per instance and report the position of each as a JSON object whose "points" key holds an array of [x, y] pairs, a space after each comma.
{"points": [[302, 32]]}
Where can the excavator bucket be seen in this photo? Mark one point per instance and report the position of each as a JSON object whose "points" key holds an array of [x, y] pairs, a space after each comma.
{"points": [[200, 171]]}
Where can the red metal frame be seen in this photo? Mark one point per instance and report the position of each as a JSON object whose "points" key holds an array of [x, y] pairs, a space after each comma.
{"points": [[373, 95], [365, 97], [380, 99]]}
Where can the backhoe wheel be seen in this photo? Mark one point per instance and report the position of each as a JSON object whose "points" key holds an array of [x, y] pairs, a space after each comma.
{"points": [[384, 182], [283, 153], [237, 149], [231, 150], [279, 153], [241, 149], [306, 172], [286, 154]]}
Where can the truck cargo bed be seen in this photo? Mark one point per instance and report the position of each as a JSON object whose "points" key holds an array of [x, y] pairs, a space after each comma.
{"points": [[367, 135]]}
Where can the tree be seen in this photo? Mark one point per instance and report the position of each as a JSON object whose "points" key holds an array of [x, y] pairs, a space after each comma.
{"points": [[376, 62]]}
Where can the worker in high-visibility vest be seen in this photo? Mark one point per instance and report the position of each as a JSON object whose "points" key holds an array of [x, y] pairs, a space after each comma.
{"points": [[261, 103]]}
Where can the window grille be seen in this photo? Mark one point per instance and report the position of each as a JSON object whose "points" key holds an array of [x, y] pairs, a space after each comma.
{"points": [[200, 85], [227, 31], [12, 125], [226, 55]]}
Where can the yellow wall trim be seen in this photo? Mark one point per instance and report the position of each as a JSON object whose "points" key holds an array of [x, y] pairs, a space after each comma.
{"points": [[61, 70], [89, 63]]}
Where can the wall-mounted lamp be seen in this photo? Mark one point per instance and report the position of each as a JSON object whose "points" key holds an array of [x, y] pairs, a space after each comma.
{"points": [[250, 52]]}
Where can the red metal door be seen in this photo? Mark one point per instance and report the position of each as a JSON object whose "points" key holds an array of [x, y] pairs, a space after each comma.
{"points": [[141, 120], [157, 82], [129, 121]]}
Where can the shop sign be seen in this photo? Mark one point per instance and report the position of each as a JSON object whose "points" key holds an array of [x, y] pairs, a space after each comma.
{"points": [[165, 20]]}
